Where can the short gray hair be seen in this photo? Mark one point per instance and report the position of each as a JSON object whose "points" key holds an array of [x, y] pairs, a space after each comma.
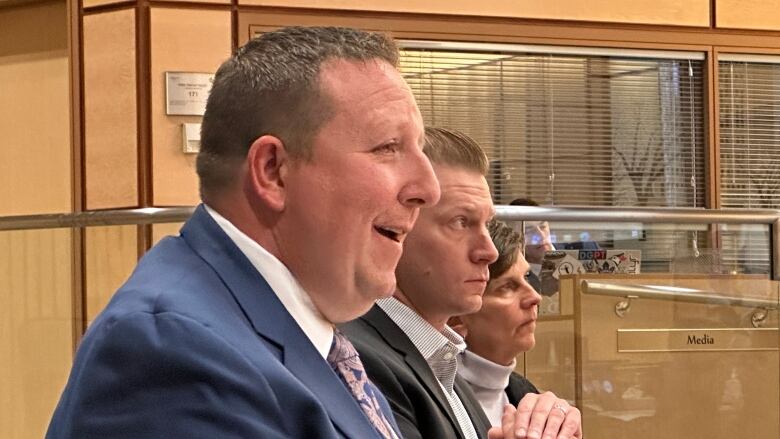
{"points": [[271, 86]]}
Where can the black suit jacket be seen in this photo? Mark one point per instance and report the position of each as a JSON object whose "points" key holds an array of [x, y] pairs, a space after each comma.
{"points": [[395, 365], [518, 387]]}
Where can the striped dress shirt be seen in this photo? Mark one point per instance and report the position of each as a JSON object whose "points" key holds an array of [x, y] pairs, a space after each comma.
{"points": [[440, 350]]}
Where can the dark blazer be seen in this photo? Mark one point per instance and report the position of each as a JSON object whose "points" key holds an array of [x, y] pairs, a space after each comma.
{"points": [[518, 387], [395, 365], [197, 345]]}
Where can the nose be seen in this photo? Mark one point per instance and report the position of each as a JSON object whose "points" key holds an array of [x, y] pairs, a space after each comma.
{"points": [[421, 188], [530, 297], [484, 251]]}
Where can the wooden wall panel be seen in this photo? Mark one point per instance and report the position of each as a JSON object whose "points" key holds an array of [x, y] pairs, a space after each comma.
{"points": [[748, 14], [222, 2], [186, 40], [669, 12], [36, 324], [111, 255], [35, 150], [91, 3], [111, 152], [160, 231]]}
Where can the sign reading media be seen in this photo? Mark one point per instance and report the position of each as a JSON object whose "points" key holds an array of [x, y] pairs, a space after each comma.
{"points": [[687, 340]]}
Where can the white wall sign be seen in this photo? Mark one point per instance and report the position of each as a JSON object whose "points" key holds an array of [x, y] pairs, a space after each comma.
{"points": [[186, 93]]}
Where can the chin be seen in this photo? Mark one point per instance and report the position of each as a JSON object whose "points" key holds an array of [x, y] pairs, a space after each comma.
{"points": [[386, 289], [376, 287], [472, 305], [526, 345], [354, 310]]}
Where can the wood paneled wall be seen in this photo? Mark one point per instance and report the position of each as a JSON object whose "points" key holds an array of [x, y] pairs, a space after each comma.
{"points": [[184, 40], [111, 254], [36, 309], [160, 231], [110, 113], [748, 14], [35, 149], [668, 12], [36, 328]]}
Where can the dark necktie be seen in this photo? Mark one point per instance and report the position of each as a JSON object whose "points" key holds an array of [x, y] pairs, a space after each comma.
{"points": [[344, 360]]}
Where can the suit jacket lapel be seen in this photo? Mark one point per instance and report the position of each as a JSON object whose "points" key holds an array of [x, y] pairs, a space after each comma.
{"points": [[471, 404], [271, 320], [399, 341]]}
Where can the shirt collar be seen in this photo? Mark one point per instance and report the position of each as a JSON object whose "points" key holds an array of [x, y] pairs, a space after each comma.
{"points": [[293, 297], [484, 373], [427, 339]]}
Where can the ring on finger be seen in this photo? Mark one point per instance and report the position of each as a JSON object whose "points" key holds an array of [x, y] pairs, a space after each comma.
{"points": [[560, 407]]}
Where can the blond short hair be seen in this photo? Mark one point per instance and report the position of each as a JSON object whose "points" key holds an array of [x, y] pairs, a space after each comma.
{"points": [[445, 146]]}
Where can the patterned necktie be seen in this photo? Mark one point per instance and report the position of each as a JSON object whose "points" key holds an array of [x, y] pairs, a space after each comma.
{"points": [[344, 360]]}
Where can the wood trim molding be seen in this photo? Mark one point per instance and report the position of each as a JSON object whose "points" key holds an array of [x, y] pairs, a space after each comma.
{"points": [[110, 7], [462, 28], [143, 102], [78, 196], [234, 25]]}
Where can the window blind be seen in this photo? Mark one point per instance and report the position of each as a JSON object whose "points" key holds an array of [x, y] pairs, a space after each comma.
{"points": [[570, 127], [749, 131]]}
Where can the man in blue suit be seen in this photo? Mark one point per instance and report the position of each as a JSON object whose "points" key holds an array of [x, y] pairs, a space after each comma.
{"points": [[312, 174]]}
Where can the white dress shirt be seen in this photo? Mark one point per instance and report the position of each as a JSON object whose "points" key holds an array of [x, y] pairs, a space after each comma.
{"points": [[293, 297], [488, 380]]}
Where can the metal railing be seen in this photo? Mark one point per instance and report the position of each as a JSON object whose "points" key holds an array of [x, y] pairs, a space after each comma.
{"points": [[152, 215], [119, 217], [678, 294]]}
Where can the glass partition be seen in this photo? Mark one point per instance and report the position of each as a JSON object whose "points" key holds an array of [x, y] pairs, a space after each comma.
{"points": [[674, 248], [697, 360], [665, 324]]}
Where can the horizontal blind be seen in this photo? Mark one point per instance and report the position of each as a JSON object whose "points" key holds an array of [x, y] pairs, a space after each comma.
{"points": [[749, 134], [749, 149], [577, 129]]}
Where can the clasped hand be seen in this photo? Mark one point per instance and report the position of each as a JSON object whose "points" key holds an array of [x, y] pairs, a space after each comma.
{"points": [[537, 416]]}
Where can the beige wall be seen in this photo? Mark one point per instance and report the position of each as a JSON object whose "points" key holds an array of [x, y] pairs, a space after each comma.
{"points": [[674, 12], [36, 328], [110, 142], [748, 14], [160, 231], [35, 160], [111, 254], [36, 314], [184, 40]]}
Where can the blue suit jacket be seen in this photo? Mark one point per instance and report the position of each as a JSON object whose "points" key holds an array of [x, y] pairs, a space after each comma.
{"points": [[197, 345]]}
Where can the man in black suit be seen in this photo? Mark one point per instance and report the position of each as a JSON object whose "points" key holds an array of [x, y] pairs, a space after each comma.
{"points": [[407, 348]]}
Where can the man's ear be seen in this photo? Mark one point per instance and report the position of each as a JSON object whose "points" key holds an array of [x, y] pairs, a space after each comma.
{"points": [[267, 160]]}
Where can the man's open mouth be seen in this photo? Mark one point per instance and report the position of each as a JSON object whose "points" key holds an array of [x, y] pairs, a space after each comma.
{"points": [[389, 232]]}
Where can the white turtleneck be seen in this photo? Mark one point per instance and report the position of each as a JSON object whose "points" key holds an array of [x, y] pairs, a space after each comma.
{"points": [[488, 380]]}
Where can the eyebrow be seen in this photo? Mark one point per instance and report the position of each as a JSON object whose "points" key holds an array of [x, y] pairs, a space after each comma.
{"points": [[471, 211]]}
